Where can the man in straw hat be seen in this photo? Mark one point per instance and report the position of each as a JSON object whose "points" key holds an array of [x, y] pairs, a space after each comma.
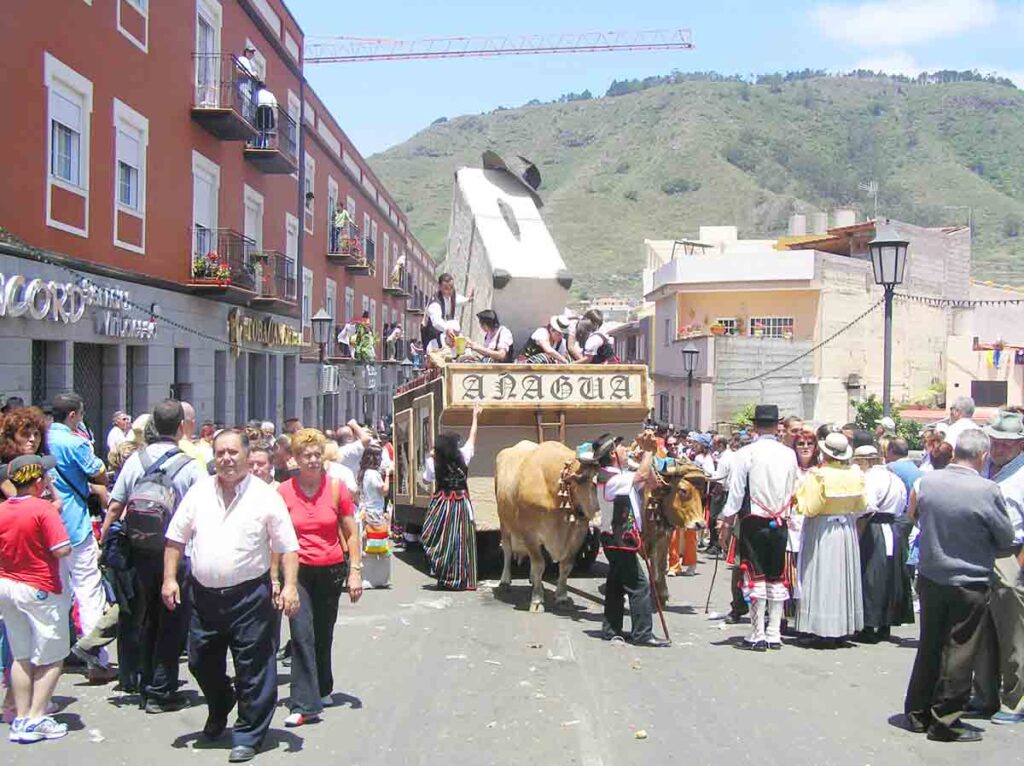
{"points": [[764, 477], [999, 667]]}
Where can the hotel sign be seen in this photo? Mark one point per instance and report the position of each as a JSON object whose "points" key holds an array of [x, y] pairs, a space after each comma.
{"points": [[265, 332], [66, 302], [533, 386]]}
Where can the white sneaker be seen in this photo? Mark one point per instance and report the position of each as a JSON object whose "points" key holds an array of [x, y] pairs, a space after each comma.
{"points": [[17, 728], [42, 728], [298, 719]]}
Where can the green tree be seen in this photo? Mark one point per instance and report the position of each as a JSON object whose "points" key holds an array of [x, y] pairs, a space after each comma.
{"points": [[869, 412], [744, 416]]}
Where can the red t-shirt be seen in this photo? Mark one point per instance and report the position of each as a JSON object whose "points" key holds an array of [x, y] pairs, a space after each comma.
{"points": [[316, 520], [30, 530]]}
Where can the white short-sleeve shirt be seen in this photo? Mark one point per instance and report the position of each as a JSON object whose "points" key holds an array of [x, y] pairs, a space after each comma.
{"points": [[232, 543]]}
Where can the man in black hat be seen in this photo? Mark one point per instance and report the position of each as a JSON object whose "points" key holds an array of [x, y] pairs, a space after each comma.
{"points": [[764, 477], [618, 493]]}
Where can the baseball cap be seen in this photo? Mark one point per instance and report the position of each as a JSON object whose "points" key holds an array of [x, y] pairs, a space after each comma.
{"points": [[27, 468]]}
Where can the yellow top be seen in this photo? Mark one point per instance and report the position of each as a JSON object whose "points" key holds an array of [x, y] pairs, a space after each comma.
{"points": [[831, 490], [198, 451]]}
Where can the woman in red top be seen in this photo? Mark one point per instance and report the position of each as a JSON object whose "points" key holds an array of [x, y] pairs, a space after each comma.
{"points": [[324, 519]]}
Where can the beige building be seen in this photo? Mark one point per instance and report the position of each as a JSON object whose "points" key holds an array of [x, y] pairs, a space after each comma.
{"points": [[750, 306]]}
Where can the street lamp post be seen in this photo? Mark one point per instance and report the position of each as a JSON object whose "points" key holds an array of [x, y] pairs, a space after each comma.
{"points": [[888, 262], [690, 354], [322, 322]]}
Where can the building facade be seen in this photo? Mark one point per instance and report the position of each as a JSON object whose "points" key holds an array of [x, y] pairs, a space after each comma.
{"points": [[170, 217], [758, 312]]}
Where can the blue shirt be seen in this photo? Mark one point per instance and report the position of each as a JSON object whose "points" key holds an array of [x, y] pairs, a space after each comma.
{"points": [[908, 473], [76, 462]]}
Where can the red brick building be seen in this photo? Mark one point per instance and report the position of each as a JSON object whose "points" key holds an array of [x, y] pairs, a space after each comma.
{"points": [[185, 193]]}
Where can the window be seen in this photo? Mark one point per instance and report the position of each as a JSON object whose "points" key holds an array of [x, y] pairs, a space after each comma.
{"points": [[205, 195], [332, 203], [130, 142], [209, 17], [383, 260], [310, 185], [252, 204], [69, 113], [668, 332], [772, 327], [295, 112], [350, 303], [291, 242], [134, 24], [729, 323], [307, 297], [331, 299], [373, 313], [350, 205], [366, 305]]}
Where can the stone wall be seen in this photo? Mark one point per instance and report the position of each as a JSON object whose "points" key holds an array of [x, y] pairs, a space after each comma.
{"points": [[740, 357]]}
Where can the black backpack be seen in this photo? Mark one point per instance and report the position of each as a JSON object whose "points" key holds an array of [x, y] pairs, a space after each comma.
{"points": [[153, 500]]}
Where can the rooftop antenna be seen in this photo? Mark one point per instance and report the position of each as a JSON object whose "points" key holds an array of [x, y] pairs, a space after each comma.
{"points": [[871, 187]]}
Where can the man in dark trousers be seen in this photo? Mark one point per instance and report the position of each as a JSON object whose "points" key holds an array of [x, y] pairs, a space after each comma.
{"points": [[964, 526], [161, 633], [619, 491], [235, 523]]}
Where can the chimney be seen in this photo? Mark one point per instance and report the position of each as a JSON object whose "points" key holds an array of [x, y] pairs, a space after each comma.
{"points": [[797, 225]]}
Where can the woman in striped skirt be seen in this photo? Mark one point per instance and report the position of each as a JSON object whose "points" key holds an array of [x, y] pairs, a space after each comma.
{"points": [[449, 533]]}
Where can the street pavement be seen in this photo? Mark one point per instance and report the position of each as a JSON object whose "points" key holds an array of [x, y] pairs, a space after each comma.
{"points": [[429, 677]]}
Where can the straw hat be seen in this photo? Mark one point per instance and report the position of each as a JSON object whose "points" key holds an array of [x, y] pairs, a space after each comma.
{"points": [[836, 446], [559, 323]]}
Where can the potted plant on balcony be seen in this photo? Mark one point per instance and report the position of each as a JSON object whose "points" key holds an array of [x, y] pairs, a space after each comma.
{"points": [[210, 270], [758, 330], [717, 328]]}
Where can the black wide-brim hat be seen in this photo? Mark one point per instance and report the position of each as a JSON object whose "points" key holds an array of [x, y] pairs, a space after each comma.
{"points": [[766, 413]]}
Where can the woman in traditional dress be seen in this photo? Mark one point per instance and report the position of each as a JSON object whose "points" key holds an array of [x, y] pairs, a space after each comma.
{"points": [[591, 343], [885, 579], [830, 499], [547, 345], [449, 532], [805, 445], [498, 341], [374, 519]]}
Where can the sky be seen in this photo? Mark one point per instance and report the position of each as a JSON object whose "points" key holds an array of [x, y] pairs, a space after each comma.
{"points": [[380, 104]]}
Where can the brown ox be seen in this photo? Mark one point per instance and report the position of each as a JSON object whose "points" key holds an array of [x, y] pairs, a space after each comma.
{"points": [[527, 478], [672, 500]]}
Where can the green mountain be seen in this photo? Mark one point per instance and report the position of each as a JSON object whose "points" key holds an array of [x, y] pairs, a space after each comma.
{"points": [[660, 161]]}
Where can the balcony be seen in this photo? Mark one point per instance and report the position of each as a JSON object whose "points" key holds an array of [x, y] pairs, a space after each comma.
{"points": [[344, 245], [221, 262], [400, 288], [365, 264], [274, 274], [275, 148], [224, 101]]}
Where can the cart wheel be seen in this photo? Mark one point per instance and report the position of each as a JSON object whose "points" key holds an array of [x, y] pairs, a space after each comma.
{"points": [[588, 551]]}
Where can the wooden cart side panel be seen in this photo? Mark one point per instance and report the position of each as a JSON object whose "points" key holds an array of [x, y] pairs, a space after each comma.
{"points": [[405, 478]]}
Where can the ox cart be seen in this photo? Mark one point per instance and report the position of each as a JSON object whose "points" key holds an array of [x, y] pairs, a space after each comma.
{"points": [[566, 403]]}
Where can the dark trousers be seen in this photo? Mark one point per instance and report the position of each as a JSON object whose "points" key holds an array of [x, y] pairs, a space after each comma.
{"points": [[626, 578], [951, 621], [161, 634], [312, 632], [716, 504], [239, 618]]}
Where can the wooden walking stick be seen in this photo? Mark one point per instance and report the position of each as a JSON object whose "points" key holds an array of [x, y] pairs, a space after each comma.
{"points": [[654, 590]]}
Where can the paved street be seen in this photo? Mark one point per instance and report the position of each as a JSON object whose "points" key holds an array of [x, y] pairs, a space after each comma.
{"points": [[426, 677]]}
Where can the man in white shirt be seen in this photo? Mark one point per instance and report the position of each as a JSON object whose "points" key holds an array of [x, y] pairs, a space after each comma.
{"points": [[441, 309], [119, 431], [960, 414], [766, 473], [719, 491], [619, 494], [236, 524]]}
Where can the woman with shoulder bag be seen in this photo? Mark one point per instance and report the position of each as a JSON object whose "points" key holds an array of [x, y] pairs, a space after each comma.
{"points": [[323, 515]]}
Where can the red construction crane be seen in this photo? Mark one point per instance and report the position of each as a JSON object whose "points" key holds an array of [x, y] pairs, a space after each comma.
{"points": [[334, 50]]}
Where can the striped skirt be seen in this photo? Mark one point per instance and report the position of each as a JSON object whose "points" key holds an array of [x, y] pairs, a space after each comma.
{"points": [[537, 359], [449, 540]]}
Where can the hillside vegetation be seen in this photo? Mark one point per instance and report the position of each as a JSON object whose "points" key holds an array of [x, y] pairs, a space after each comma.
{"points": [[662, 159]]}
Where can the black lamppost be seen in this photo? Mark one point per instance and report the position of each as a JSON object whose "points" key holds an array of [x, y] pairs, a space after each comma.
{"points": [[888, 262], [690, 354], [322, 324]]}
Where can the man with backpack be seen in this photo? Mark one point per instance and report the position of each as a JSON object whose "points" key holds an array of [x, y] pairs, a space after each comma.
{"points": [[148, 490]]}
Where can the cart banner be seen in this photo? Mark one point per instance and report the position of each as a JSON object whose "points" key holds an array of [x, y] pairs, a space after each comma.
{"points": [[551, 386]]}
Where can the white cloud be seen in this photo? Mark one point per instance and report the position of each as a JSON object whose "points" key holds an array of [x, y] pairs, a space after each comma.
{"points": [[903, 22]]}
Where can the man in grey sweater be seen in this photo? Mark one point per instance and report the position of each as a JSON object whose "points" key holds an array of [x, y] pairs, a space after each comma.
{"points": [[964, 526]]}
